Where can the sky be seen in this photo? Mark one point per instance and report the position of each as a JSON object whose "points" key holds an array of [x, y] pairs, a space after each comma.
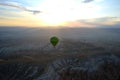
{"points": [[60, 13]]}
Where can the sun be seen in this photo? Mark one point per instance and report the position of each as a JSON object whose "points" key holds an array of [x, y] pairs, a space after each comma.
{"points": [[53, 19]]}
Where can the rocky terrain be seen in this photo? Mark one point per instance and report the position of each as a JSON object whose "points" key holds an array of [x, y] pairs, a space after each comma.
{"points": [[102, 67], [82, 54]]}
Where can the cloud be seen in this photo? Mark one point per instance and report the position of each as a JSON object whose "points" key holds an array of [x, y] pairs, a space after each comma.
{"points": [[79, 23], [95, 22], [87, 1], [16, 5], [103, 21]]}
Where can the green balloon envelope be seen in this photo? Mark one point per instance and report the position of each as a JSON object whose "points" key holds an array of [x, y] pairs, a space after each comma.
{"points": [[54, 41]]}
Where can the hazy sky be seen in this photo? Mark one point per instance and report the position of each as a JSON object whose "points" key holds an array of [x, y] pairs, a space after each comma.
{"points": [[80, 13]]}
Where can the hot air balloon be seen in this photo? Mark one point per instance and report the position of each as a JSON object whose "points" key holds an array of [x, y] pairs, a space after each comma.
{"points": [[54, 41]]}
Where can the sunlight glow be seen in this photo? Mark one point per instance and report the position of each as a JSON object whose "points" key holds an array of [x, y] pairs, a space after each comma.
{"points": [[57, 12]]}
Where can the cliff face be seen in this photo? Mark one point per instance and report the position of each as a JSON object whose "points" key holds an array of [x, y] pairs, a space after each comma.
{"points": [[20, 71], [106, 67], [102, 67]]}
